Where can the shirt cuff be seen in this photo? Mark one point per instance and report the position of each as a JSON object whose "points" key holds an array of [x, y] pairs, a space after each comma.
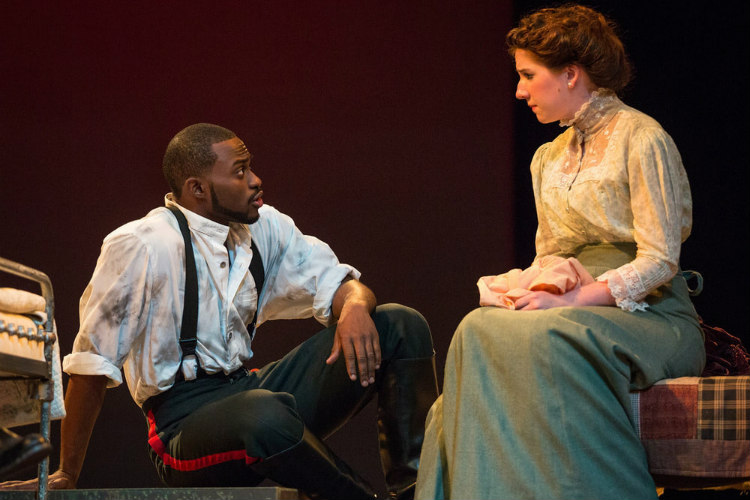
{"points": [[620, 291], [86, 363], [327, 286]]}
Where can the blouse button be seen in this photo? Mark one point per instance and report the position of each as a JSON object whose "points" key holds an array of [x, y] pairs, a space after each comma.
{"points": [[223, 265]]}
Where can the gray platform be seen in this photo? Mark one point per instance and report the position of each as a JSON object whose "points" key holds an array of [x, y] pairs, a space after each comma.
{"points": [[263, 493]]}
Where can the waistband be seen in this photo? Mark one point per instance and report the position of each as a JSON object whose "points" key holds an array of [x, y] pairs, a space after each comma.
{"points": [[154, 402], [600, 257]]}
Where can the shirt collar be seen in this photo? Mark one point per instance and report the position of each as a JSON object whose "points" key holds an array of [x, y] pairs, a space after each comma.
{"points": [[198, 223], [213, 230]]}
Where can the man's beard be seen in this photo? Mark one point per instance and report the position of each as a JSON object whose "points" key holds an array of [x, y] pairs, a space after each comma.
{"points": [[233, 216]]}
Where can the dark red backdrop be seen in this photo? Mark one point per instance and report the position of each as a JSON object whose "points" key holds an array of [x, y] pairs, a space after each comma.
{"points": [[384, 128]]}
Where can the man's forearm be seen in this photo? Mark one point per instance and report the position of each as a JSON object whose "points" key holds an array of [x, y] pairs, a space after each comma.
{"points": [[83, 401], [352, 291]]}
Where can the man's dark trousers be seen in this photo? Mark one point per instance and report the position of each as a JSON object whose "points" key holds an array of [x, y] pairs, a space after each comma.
{"points": [[219, 430]]}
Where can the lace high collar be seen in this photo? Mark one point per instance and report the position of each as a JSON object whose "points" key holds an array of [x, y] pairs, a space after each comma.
{"points": [[594, 114]]}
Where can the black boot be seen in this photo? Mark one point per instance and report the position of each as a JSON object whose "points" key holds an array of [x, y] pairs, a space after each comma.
{"points": [[407, 391], [18, 452], [310, 466]]}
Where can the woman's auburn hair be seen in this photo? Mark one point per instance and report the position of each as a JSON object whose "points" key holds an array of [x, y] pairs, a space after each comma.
{"points": [[574, 34]]}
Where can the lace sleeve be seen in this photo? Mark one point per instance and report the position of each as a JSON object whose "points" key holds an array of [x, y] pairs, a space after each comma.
{"points": [[662, 216], [620, 283]]}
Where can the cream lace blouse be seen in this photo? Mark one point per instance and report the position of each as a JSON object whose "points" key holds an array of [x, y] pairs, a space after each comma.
{"points": [[614, 176]]}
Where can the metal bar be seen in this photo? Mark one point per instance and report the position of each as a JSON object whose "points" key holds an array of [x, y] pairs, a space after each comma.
{"points": [[43, 471]]}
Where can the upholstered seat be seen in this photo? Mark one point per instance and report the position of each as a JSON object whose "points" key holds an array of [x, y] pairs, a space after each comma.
{"points": [[696, 431]]}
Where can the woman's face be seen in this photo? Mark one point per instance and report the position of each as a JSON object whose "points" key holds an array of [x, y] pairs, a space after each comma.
{"points": [[544, 90]]}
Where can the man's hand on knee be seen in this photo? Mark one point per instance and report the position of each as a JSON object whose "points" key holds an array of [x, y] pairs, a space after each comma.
{"points": [[356, 335], [358, 339]]}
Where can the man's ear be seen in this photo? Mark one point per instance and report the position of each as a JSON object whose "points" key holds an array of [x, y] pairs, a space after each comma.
{"points": [[195, 187]]}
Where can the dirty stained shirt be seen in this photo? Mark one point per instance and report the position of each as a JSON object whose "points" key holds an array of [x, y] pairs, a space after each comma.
{"points": [[131, 310]]}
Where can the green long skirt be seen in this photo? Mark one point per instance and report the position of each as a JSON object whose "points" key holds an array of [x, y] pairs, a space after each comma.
{"points": [[536, 404]]}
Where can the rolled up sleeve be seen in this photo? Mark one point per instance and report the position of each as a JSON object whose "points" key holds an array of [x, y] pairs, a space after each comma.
{"points": [[303, 273], [112, 310], [86, 363]]}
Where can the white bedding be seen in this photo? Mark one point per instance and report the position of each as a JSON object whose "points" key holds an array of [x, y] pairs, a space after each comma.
{"points": [[19, 402]]}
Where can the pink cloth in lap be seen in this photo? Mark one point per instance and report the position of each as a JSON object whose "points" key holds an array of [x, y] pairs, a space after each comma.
{"points": [[551, 274]]}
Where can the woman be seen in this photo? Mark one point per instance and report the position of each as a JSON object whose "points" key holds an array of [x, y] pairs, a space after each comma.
{"points": [[536, 400]]}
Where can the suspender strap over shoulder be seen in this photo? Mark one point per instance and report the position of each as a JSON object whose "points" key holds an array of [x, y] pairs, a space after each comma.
{"points": [[189, 329], [256, 269]]}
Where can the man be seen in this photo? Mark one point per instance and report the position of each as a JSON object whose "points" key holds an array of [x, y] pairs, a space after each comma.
{"points": [[211, 422]]}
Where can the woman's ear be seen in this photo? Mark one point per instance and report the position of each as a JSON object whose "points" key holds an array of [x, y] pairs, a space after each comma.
{"points": [[571, 75], [575, 76]]}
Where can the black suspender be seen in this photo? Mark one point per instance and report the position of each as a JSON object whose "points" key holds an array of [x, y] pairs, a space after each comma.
{"points": [[256, 269], [189, 328]]}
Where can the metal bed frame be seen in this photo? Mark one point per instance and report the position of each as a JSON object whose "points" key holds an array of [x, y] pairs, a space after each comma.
{"points": [[26, 368]]}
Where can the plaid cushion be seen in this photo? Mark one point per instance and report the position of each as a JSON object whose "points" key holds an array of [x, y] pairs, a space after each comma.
{"points": [[668, 411], [724, 408], [695, 427]]}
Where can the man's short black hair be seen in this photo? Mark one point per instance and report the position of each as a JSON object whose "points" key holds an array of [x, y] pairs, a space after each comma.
{"points": [[189, 153]]}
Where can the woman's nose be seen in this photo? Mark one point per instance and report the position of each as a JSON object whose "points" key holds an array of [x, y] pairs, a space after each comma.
{"points": [[521, 92]]}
